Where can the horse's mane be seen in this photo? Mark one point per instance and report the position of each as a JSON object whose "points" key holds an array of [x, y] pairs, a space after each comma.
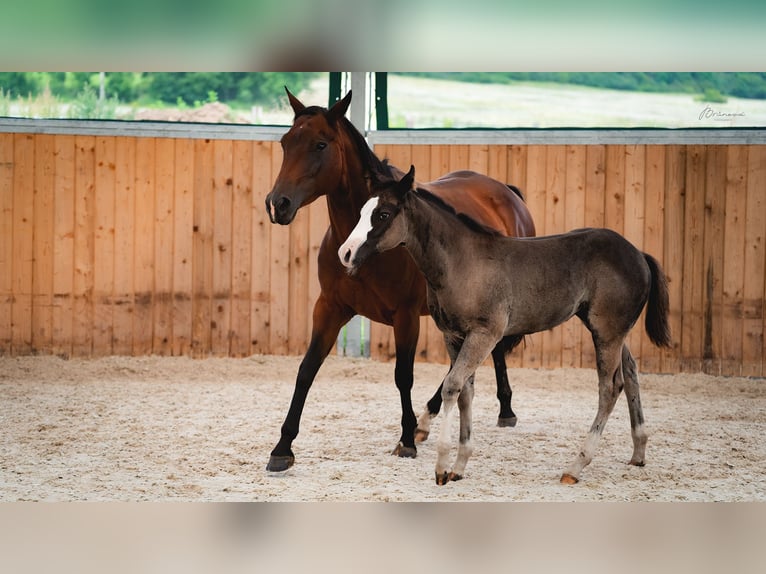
{"points": [[465, 219]]}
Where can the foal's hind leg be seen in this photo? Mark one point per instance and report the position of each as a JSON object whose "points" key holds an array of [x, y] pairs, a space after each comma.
{"points": [[637, 430], [610, 383]]}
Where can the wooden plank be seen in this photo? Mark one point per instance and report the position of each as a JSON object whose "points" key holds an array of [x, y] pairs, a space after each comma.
{"points": [[555, 222], [478, 158], [124, 244], [23, 243], [84, 248], [754, 289], [164, 231], [183, 246], [497, 163], [614, 196], [260, 309], [103, 246], [143, 281], [733, 279], [280, 276], [202, 256], [223, 185], [536, 201], [715, 198], [459, 157], [516, 174], [6, 246], [241, 247], [595, 201], [574, 218], [63, 245], [653, 239], [673, 248], [693, 264], [42, 257], [633, 224]]}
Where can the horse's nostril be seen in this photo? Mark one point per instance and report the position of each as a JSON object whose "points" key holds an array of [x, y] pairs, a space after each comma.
{"points": [[283, 203], [347, 257]]}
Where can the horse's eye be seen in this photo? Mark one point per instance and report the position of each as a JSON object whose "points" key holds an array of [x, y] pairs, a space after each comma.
{"points": [[320, 146]]}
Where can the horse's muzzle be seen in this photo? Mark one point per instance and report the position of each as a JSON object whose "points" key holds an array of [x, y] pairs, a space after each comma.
{"points": [[279, 210]]}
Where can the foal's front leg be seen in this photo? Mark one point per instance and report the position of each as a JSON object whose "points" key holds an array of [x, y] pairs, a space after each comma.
{"points": [[458, 388]]}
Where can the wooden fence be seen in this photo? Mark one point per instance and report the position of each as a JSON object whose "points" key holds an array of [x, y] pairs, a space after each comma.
{"points": [[159, 244]]}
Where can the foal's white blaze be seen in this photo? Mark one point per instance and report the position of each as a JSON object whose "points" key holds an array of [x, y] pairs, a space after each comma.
{"points": [[358, 236]]}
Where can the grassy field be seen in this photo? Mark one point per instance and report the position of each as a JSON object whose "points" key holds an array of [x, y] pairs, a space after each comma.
{"points": [[430, 103]]}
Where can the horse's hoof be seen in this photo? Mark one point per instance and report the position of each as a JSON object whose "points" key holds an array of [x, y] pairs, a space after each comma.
{"points": [[568, 479], [506, 422], [421, 435], [405, 451], [280, 463], [442, 478]]}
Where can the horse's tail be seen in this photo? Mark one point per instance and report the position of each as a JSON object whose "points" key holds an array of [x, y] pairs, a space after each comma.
{"points": [[515, 190], [658, 306]]}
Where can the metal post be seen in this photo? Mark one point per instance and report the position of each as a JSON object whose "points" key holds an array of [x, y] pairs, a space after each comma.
{"points": [[357, 113]]}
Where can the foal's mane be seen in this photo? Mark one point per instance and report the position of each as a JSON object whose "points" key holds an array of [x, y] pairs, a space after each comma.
{"points": [[463, 218]]}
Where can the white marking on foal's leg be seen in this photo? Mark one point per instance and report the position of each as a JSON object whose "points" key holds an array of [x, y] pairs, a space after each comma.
{"points": [[583, 459], [443, 443], [639, 445], [424, 425]]}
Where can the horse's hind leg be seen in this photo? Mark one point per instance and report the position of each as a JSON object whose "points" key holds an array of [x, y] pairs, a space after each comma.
{"points": [[610, 383], [506, 418], [637, 430]]}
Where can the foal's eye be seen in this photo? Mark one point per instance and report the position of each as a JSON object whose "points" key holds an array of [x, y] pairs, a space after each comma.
{"points": [[381, 216], [320, 146]]}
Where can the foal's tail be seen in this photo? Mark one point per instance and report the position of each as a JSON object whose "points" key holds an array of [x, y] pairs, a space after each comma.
{"points": [[657, 307]]}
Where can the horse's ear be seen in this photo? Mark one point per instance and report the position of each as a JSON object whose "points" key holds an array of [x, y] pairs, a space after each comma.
{"points": [[339, 109], [295, 103], [405, 184]]}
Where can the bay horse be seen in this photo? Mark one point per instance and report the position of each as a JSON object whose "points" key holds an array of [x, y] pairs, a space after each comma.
{"points": [[324, 154], [483, 286]]}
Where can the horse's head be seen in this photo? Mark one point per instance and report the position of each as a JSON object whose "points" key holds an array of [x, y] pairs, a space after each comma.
{"points": [[312, 160], [379, 228]]}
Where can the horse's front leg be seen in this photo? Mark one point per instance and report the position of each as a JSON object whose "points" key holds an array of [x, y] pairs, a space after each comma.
{"points": [[327, 321], [406, 332], [458, 389]]}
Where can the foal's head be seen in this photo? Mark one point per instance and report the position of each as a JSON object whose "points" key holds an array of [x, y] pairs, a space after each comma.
{"points": [[379, 228], [312, 159]]}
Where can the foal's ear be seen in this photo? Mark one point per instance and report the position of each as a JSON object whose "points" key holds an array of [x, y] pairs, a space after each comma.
{"points": [[405, 184], [295, 103], [339, 109]]}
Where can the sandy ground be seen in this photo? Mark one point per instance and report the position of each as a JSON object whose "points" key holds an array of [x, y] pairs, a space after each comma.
{"points": [[135, 429]]}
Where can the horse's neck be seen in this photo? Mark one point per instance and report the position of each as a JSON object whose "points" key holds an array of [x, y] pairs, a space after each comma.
{"points": [[344, 203], [432, 239]]}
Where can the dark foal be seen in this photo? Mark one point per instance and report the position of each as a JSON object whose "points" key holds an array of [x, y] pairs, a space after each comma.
{"points": [[483, 287], [324, 155]]}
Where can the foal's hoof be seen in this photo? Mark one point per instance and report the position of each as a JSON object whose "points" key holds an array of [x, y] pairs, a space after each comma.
{"points": [[506, 422], [442, 478], [405, 451], [568, 479], [280, 463], [636, 462], [421, 435]]}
